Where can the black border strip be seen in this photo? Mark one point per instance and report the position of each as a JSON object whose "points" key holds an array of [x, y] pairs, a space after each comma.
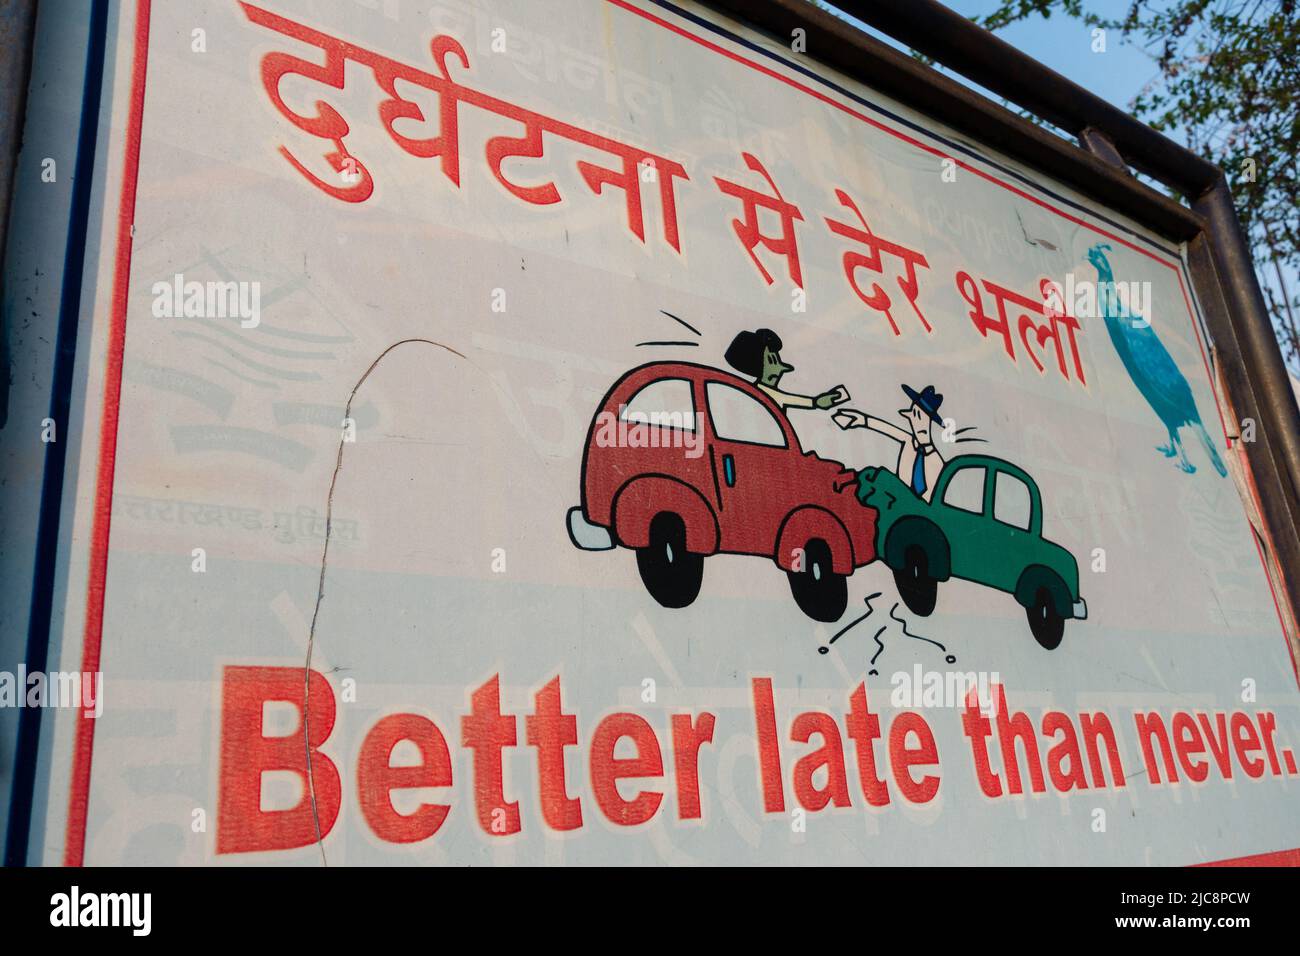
{"points": [[65, 355]]}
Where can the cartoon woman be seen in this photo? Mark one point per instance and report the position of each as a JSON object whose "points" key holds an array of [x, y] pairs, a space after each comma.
{"points": [[758, 354], [919, 459]]}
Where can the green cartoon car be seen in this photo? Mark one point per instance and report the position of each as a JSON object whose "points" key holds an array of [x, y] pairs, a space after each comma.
{"points": [[984, 524]]}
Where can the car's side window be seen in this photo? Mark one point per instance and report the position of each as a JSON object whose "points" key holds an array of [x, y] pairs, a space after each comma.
{"points": [[667, 403], [741, 417], [966, 489], [1011, 501]]}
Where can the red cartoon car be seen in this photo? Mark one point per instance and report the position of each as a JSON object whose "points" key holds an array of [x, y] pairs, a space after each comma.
{"points": [[683, 461]]}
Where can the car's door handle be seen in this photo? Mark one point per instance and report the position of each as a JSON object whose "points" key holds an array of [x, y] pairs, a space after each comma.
{"points": [[729, 470]]}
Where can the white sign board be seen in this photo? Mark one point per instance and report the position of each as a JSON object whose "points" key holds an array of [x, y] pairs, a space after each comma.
{"points": [[630, 441]]}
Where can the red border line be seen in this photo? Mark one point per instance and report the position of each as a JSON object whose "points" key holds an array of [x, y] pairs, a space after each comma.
{"points": [[74, 849], [92, 637], [1276, 858]]}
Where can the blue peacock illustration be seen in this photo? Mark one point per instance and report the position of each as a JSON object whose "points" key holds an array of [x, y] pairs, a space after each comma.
{"points": [[1151, 368]]}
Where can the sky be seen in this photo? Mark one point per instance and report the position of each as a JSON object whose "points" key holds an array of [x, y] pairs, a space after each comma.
{"points": [[1118, 74], [1065, 44]]}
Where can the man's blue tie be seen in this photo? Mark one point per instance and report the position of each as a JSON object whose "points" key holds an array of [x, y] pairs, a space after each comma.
{"points": [[918, 472]]}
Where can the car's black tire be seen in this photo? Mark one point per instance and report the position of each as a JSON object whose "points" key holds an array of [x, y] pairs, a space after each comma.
{"points": [[1047, 625], [817, 589], [916, 587], [669, 572]]}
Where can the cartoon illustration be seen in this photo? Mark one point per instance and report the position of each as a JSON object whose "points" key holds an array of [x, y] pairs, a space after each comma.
{"points": [[919, 459], [1151, 368], [740, 484], [983, 524], [758, 354], [683, 461]]}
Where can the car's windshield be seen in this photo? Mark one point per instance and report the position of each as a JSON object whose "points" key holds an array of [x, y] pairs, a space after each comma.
{"points": [[666, 402], [738, 416], [1012, 503]]}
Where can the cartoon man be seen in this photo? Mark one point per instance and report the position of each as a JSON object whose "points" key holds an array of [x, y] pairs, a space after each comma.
{"points": [[919, 460], [758, 354]]}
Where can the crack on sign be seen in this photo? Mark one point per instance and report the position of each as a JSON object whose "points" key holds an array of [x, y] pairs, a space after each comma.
{"points": [[320, 585], [949, 658], [1033, 242], [826, 648]]}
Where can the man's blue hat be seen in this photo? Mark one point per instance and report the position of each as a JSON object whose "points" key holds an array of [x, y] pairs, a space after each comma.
{"points": [[928, 399]]}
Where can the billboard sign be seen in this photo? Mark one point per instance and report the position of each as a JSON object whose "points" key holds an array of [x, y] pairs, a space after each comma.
{"points": [[515, 436]]}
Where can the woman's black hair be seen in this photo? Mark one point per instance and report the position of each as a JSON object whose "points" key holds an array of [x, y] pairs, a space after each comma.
{"points": [[745, 353]]}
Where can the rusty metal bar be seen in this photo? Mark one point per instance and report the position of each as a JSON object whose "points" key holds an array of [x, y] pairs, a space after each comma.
{"points": [[1101, 146], [840, 45], [961, 45], [17, 31], [1263, 358]]}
